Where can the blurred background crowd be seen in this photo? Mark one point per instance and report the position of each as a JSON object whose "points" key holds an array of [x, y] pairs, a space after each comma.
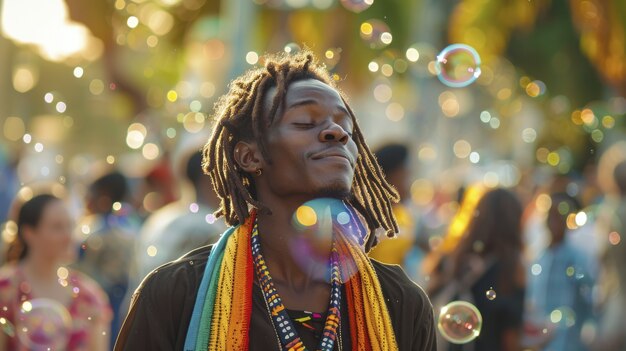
{"points": [[512, 183]]}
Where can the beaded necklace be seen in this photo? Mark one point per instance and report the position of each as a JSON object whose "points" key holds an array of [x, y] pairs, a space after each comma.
{"points": [[283, 326]]}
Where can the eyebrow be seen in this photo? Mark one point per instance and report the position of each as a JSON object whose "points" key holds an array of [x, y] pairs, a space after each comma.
{"points": [[306, 102]]}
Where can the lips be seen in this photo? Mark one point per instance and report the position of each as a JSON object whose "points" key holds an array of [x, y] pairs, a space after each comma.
{"points": [[333, 152]]}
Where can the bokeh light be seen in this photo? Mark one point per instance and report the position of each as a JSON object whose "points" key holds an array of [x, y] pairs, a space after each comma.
{"points": [[252, 58], [61, 107], [462, 149], [375, 33], [394, 112], [7, 327], [614, 238], [132, 22], [383, 93], [150, 151], [78, 72], [134, 139], [412, 54], [55, 36], [305, 216], [193, 122], [14, 128], [474, 157], [24, 78]]}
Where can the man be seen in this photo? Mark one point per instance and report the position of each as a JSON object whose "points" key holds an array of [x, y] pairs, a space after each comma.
{"points": [[107, 252], [394, 162], [284, 136], [181, 226], [611, 331], [559, 286]]}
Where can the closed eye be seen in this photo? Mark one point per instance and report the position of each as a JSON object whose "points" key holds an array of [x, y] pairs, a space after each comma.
{"points": [[304, 125]]}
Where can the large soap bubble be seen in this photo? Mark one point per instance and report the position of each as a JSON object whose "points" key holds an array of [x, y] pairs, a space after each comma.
{"points": [[460, 322], [43, 324]]}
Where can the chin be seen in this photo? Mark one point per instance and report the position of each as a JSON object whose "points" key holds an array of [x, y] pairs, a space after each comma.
{"points": [[335, 191]]}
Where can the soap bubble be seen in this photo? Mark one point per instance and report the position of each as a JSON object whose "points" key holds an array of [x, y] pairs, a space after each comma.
{"points": [[458, 65], [320, 218], [459, 322], [319, 222], [357, 6], [292, 48], [491, 294], [43, 324]]}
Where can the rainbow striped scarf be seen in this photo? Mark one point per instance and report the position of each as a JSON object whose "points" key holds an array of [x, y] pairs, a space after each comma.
{"points": [[221, 314]]}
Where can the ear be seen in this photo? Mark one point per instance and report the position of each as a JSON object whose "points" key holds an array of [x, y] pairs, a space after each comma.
{"points": [[248, 156], [28, 233]]}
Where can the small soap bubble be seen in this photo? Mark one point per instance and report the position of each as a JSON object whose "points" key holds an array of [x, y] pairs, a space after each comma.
{"points": [[458, 65], [292, 48], [357, 6], [491, 294]]}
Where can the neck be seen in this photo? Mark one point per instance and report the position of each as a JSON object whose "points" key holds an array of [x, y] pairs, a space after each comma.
{"points": [[40, 268], [556, 242], [201, 198], [288, 264]]}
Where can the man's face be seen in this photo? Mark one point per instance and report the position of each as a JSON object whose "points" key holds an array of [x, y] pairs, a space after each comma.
{"points": [[557, 223], [400, 179], [310, 143]]}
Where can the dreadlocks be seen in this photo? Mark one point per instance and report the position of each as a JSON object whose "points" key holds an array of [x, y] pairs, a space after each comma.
{"points": [[240, 116]]}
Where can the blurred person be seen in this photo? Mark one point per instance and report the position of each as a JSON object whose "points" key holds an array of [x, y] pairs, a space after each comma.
{"points": [[182, 226], [559, 289], [283, 136], [536, 235], [107, 252], [611, 331], [35, 277], [9, 181], [9, 187], [394, 162], [584, 235], [159, 184], [487, 257]]}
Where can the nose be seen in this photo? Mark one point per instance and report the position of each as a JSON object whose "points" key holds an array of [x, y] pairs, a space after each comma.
{"points": [[334, 132]]}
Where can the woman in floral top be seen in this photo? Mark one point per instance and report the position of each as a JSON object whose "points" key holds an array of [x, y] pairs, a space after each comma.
{"points": [[43, 304]]}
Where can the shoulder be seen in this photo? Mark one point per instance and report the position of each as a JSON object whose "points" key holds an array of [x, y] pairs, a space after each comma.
{"points": [[92, 299], [178, 278], [409, 308], [392, 276], [7, 280], [89, 288], [574, 254], [7, 273], [162, 305], [398, 287]]}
